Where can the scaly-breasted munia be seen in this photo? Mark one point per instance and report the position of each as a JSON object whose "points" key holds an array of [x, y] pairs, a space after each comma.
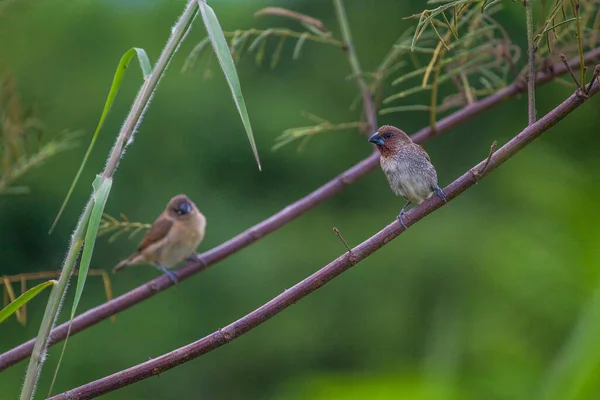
{"points": [[174, 236], [407, 167]]}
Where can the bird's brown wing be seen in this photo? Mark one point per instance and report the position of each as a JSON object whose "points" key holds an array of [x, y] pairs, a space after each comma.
{"points": [[423, 151], [159, 230]]}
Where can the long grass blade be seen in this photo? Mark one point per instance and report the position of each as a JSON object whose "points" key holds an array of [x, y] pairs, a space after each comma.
{"points": [[217, 38], [101, 190], [101, 187], [114, 89]]}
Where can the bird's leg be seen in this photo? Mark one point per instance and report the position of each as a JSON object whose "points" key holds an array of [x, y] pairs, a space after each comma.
{"points": [[196, 257], [440, 193], [402, 212], [170, 274]]}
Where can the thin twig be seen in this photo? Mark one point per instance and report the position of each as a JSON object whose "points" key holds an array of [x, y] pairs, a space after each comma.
{"points": [[566, 62], [325, 274], [339, 235], [595, 77], [277, 220], [479, 172], [368, 106], [283, 12]]}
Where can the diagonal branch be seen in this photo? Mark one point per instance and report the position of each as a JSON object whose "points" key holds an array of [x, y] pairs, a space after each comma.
{"points": [[276, 221], [330, 271]]}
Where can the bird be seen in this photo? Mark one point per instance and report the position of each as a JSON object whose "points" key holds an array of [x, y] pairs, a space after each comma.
{"points": [[174, 236], [407, 167]]}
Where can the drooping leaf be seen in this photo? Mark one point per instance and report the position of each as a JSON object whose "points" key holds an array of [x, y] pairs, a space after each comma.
{"points": [[114, 89], [24, 298], [102, 187], [219, 43]]}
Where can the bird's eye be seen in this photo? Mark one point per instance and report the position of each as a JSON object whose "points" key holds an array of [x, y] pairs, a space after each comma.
{"points": [[387, 135]]}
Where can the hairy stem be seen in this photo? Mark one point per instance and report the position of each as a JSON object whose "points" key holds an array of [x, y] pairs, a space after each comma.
{"points": [[367, 101], [276, 221], [140, 103], [144, 96], [52, 307], [332, 270]]}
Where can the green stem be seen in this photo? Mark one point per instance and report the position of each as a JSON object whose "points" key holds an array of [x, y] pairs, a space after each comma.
{"points": [[531, 48], [368, 106], [58, 291], [575, 5], [145, 94], [140, 104]]}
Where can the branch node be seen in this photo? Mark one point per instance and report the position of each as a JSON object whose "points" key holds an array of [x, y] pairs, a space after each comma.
{"points": [[477, 174], [566, 62], [345, 180], [255, 234], [225, 335], [152, 286]]}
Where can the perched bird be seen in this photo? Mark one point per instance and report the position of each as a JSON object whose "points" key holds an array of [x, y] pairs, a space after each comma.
{"points": [[407, 167], [174, 235]]}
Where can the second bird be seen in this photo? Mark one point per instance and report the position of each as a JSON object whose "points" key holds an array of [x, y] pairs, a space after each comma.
{"points": [[174, 236], [407, 167]]}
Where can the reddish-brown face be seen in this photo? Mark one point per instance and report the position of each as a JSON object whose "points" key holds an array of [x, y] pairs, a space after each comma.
{"points": [[389, 139]]}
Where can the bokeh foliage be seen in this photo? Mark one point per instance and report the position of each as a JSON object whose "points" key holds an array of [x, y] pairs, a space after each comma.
{"points": [[492, 297]]}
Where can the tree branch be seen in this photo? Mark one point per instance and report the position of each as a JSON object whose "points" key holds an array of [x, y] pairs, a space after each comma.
{"points": [[330, 271], [274, 222], [369, 108]]}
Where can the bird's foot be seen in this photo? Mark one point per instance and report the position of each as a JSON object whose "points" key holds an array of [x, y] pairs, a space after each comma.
{"points": [[169, 273], [402, 212], [402, 220], [440, 194], [172, 277], [195, 257]]}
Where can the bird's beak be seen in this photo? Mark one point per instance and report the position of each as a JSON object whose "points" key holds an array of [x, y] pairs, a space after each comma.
{"points": [[376, 138], [185, 208]]}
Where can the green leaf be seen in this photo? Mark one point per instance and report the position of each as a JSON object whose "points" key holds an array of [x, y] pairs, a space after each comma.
{"points": [[102, 187], [114, 89], [192, 58], [219, 43], [23, 299], [298, 47]]}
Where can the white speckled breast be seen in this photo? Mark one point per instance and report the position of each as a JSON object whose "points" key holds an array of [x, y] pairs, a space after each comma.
{"points": [[410, 175]]}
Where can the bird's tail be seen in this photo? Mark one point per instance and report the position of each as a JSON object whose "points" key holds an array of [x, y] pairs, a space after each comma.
{"points": [[126, 262]]}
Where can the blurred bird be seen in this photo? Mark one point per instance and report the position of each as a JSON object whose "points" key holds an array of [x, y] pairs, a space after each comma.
{"points": [[407, 167], [174, 235]]}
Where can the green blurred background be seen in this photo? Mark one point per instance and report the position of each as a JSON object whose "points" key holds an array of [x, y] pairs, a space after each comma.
{"points": [[491, 297]]}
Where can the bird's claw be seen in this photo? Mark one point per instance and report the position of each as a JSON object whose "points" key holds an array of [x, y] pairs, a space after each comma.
{"points": [[196, 258], [402, 220], [169, 273], [440, 194], [172, 277]]}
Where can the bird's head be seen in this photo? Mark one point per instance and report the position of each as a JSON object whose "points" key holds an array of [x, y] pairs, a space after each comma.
{"points": [[180, 206], [389, 139]]}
